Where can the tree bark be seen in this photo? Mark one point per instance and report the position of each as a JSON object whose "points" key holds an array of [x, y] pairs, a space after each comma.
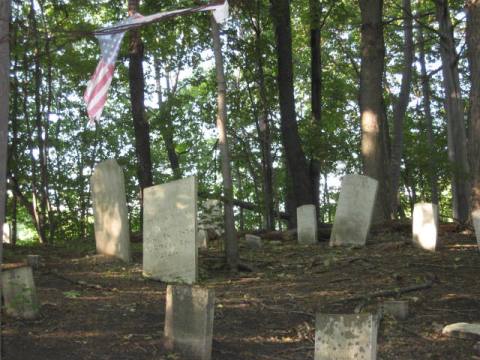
{"points": [[137, 86], [425, 79], [294, 154], [4, 103], [316, 89], [373, 117], [401, 105], [473, 54], [457, 148], [231, 245]]}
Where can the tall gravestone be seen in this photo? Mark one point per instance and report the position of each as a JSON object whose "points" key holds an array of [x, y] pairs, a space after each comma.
{"points": [[476, 224], [307, 225], [425, 226], [169, 231], [7, 233], [112, 235], [189, 320], [346, 337], [353, 216], [18, 292]]}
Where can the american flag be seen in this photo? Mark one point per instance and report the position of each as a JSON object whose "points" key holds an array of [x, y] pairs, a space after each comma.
{"points": [[110, 40]]}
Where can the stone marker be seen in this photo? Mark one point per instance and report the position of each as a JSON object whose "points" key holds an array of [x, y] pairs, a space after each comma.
{"points": [[476, 225], [396, 308], [202, 239], [425, 226], [33, 261], [307, 225], [189, 320], [170, 230], [18, 291], [346, 337], [211, 218], [353, 216], [462, 330], [112, 235], [253, 241], [7, 233]]}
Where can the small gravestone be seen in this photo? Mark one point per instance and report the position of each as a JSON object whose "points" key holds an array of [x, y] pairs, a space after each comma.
{"points": [[18, 291], [33, 261], [112, 235], [476, 224], [189, 321], [346, 337], [202, 239], [396, 308], [307, 225], [211, 217], [425, 226], [353, 216], [7, 233], [170, 230], [462, 330], [253, 241]]}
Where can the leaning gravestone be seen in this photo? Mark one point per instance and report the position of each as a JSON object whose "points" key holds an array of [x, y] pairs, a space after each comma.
{"points": [[346, 337], [353, 216], [112, 235], [307, 224], [169, 231], [476, 224], [189, 320], [18, 291], [6, 233], [425, 226]]}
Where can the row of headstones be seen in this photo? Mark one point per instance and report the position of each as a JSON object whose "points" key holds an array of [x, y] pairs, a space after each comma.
{"points": [[354, 213]]}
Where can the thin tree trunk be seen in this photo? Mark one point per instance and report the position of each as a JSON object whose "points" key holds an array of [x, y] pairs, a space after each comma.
{"points": [[457, 148], [137, 88], [473, 53], [294, 154], [425, 79], [316, 89], [401, 105], [231, 245], [264, 132], [4, 106], [373, 117]]}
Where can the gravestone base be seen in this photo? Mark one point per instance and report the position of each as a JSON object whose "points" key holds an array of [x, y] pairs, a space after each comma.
{"points": [[425, 226], [189, 321], [19, 294], [307, 225], [346, 337]]}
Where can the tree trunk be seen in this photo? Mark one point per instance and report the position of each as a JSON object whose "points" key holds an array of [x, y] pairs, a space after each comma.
{"points": [[373, 117], [231, 245], [166, 124], [401, 105], [137, 85], [457, 148], [295, 157], [316, 97], [264, 134], [425, 79], [4, 94], [473, 53]]}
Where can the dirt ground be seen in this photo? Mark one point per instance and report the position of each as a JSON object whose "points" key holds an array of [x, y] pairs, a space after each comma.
{"points": [[95, 308]]}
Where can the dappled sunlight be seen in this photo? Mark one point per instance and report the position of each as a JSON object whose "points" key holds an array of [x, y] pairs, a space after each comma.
{"points": [[370, 132]]}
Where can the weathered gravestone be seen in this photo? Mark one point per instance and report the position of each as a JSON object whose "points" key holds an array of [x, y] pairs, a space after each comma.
{"points": [[253, 241], [346, 337], [112, 235], [202, 239], [189, 320], [425, 226], [6, 233], [396, 308], [19, 294], [212, 217], [33, 261], [307, 225], [169, 231], [476, 225], [353, 216]]}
